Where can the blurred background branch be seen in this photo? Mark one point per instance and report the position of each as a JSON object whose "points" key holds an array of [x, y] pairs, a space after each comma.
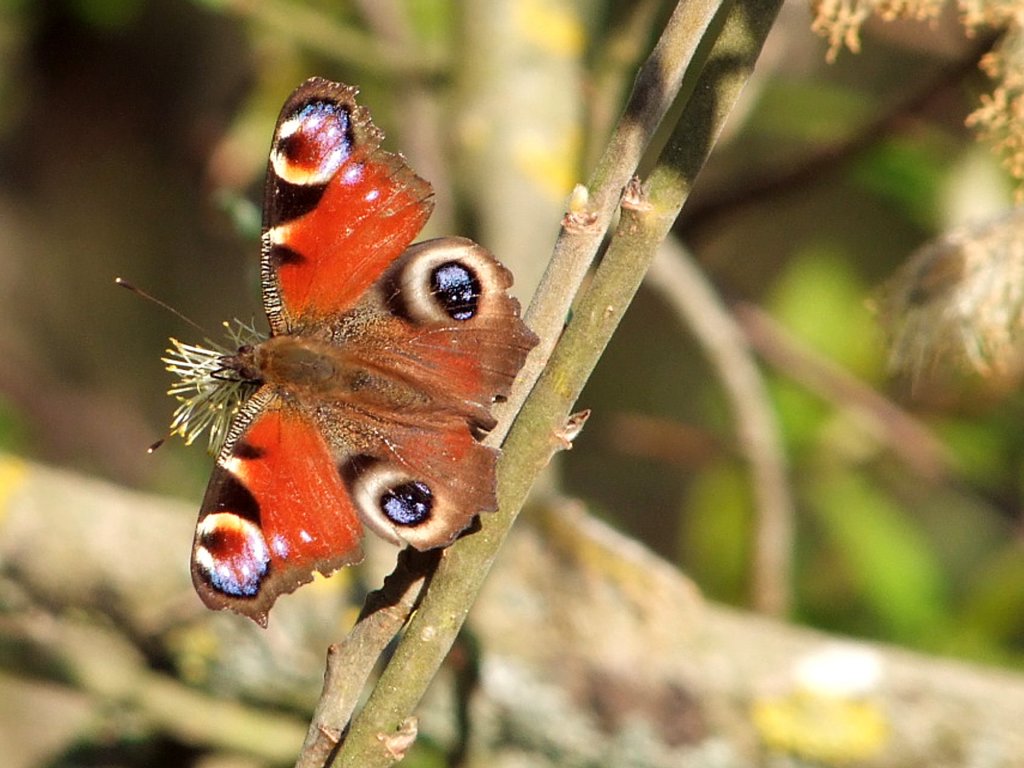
{"points": [[683, 286], [622, 656]]}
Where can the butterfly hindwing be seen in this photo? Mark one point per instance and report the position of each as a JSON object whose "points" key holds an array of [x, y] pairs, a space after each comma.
{"points": [[412, 482], [276, 511], [442, 317]]}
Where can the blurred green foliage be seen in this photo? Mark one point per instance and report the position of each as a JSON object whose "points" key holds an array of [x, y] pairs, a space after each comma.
{"points": [[134, 140]]}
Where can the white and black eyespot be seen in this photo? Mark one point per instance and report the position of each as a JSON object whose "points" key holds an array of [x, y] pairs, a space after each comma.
{"points": [[313, 143], [388, 499], [456, 288], [231, 554], [441, 280], [408, 504]]}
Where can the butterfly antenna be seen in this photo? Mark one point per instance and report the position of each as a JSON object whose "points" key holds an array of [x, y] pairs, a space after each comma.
{"points": [[160, 303]]}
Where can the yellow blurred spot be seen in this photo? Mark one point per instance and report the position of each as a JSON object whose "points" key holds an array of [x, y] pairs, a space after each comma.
{"points": [[341, 579], [829, 729], [552, 27], [349, 616], [551, 165], [12, 475], [195, 649]]}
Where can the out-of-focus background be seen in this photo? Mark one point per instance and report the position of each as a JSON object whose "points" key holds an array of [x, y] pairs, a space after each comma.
{"points": [[133, 139]]}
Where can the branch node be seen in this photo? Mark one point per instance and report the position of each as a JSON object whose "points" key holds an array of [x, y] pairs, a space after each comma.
{"points": [[571, 429], [398, 743], [580, 215], [333, 735], [634, 196]]}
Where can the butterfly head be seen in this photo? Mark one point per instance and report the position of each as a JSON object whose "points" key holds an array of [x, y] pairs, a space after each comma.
{"points": [[213, 382]]}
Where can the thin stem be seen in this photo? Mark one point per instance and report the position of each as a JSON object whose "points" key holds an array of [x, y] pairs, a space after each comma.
{"points": [[624, 46], [350, 662], [657, 86], [825, 159], [684, 286], [906, 437], [534, 437], [321, 33]]}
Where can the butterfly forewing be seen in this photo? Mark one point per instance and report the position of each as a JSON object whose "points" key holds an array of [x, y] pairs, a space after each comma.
{"points": [[338, 209]]}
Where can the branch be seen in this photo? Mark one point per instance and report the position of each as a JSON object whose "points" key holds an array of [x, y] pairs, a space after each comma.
{"points": [[616, 58], [656, 87], [905, 436], [350, 662], [534, 438], [674, 275]]}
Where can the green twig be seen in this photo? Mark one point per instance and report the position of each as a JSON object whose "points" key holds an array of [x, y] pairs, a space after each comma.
{"points": [[655, 89], [657, 85], [350, 662], [643, 225], [616, 58]]}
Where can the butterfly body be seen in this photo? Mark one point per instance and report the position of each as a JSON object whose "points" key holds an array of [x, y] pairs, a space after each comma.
{"points": [[376, 383]]}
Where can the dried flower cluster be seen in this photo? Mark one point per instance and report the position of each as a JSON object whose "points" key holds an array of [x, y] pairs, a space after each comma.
{"points": [[999, 119], [209, 394], [840, 20], [958, 303]]}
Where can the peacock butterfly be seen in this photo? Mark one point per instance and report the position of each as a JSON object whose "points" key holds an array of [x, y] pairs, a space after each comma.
{"points": [[367, 402]]}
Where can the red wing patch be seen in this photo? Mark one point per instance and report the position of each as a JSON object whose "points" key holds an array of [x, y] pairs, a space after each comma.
{"points": [[337, 210], [275, 512]]}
